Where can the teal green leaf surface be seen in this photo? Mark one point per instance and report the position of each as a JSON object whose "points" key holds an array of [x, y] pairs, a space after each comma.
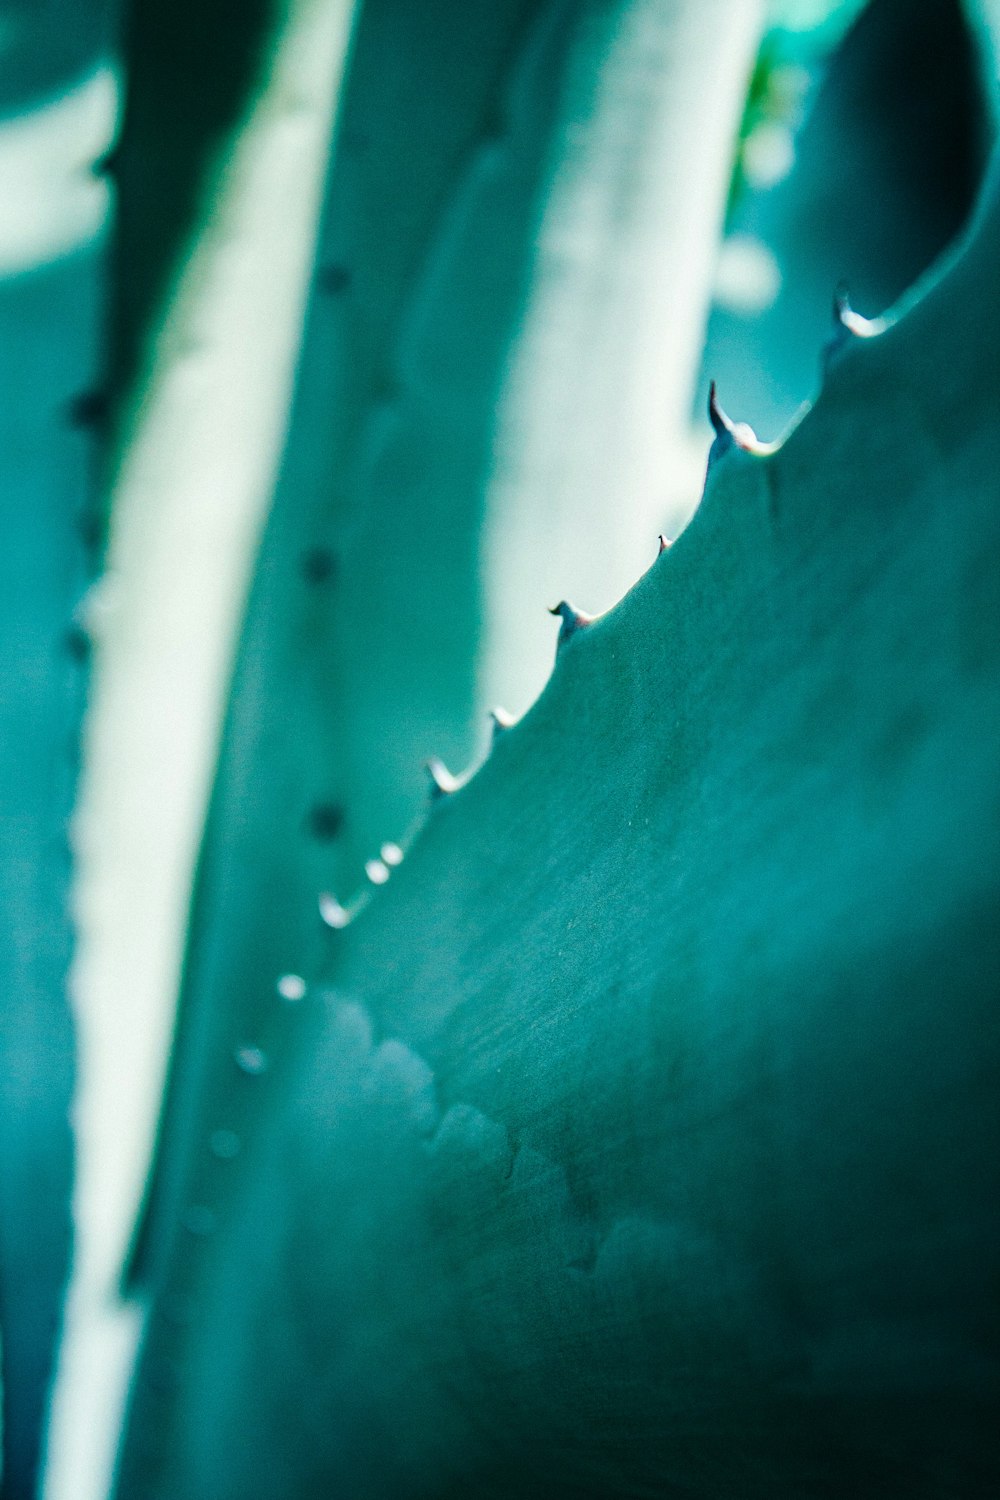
{"points": [[57, 101], [640, 1136], [362, 654], [331, 611]]}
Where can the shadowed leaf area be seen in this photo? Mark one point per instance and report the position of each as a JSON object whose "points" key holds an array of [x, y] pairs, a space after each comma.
{"points": [[54, 93], [191, 70]]}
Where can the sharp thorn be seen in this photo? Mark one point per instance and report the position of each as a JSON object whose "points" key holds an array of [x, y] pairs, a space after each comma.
{"points": [[331, 911], [721, 423], [844, 316], [571, 620], [841, 304], [443, 783], [665, 544], [847, 325], [501, 721], [728, 433]]}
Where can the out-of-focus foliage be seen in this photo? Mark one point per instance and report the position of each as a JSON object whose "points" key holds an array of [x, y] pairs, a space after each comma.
{"points": [[56, 112], [192, 68], [45, 49], [865, 191]]}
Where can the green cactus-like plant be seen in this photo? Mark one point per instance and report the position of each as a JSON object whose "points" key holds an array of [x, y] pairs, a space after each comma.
{"points": [[640, 1137]]}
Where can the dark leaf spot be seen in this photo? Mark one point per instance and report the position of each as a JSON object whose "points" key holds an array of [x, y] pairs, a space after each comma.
{"points": [[325, 821], [89, 409], [333, 279], [319, 565]]}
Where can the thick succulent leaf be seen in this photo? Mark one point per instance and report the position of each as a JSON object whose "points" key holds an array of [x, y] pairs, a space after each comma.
{"points": [[275, 819], [57, 103], [642, 1138], [360, 656], [189, 498]]}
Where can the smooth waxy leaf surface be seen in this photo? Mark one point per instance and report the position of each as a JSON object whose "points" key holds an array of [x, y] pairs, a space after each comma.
{"points": [[640, 1137], [57, 103], [362, 650]]}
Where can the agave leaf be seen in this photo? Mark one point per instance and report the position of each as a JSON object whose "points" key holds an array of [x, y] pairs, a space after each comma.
{"points": [[57, 107], [188, 500], [277, 811], [643, 1138], [360, 657]]}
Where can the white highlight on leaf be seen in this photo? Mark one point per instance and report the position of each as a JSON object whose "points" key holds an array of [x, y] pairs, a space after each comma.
{"points": [[768, 154], [52, 201], [332, 912], [747, 275], [189, 499], [592, 448]]}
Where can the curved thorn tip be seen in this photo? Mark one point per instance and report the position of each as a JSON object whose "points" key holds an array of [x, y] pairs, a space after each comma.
{"points": [[501, 720], [851, 322], [442, 781], [571, 619], [729, 433], [841, 305], [331, 911], [717, 417], [665, 544]]}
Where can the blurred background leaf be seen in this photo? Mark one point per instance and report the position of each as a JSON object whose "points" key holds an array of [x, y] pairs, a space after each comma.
{"points": [[58, 99], [858, 171]]}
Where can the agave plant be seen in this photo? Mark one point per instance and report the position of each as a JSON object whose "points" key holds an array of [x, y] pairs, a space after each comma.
{"points": [[616, 1115]]}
